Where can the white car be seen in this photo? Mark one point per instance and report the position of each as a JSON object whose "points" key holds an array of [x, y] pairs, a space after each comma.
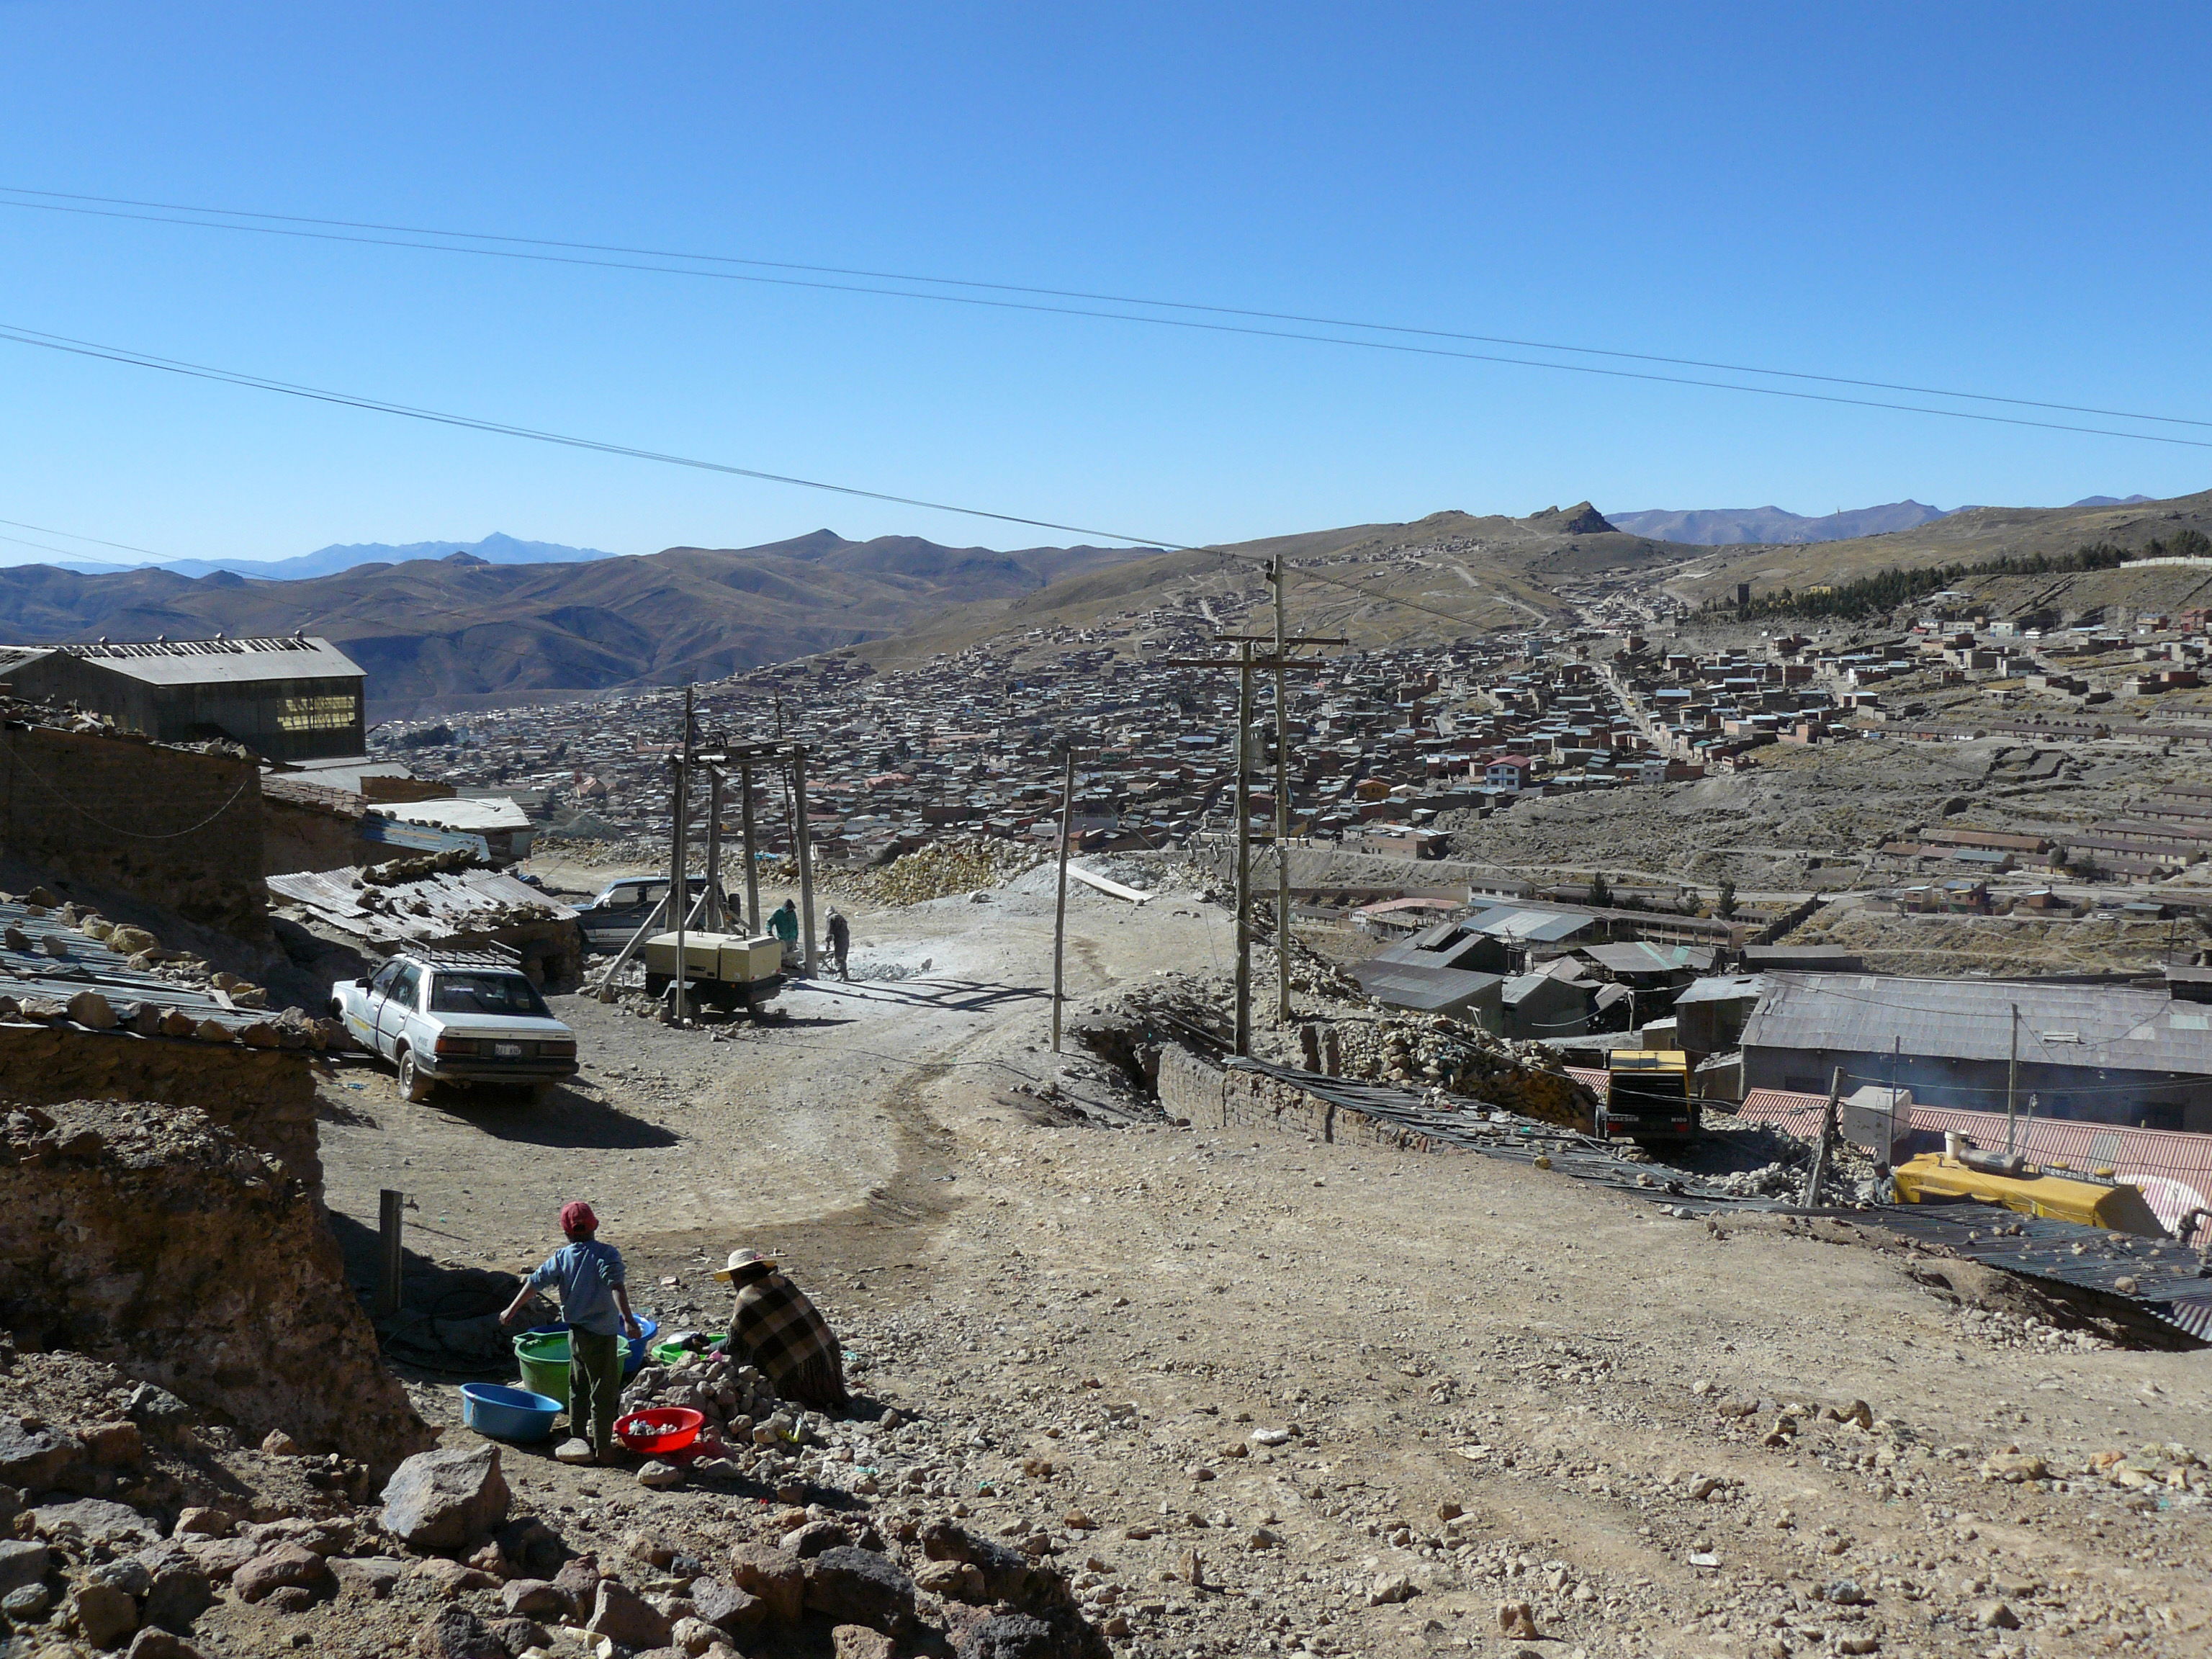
{"points": [[471, 1018]]}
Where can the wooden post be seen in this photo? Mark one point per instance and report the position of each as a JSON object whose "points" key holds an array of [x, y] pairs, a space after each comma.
{"points": [[679, 880], [1279, 577], [1244, 804], [804, 843], [716, 922], [391, 1220], [752, 860], [2012, 1082], [1060, 904], [1819, 1170]]}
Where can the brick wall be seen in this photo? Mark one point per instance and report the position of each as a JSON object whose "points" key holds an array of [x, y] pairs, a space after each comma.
{"points": [[166, 826]]}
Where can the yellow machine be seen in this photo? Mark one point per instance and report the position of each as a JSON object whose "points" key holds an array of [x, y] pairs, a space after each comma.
{"points": [[1647, 1096], [727, 970], [2026, 1189]]}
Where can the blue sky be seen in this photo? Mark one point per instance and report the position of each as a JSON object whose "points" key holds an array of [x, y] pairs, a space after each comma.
{"points": [[2008, 198]]}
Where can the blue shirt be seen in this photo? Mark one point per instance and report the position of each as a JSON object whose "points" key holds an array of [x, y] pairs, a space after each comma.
{"points": [[587, 1275]]}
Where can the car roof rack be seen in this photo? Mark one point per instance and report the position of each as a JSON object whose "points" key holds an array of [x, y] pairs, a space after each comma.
{"points": [[490, 954]]}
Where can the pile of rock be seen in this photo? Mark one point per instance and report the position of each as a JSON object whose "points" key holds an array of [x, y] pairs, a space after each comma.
{"points": [[943, 868]]}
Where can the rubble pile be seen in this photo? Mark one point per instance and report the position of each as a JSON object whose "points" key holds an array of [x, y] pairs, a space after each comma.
{"points": [[946, 868], [1849, 1181]]}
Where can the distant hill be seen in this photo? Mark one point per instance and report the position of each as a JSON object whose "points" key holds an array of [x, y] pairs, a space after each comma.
{"points": [[1968, 536], [1727, 526], [461, 630], [495, 549]]}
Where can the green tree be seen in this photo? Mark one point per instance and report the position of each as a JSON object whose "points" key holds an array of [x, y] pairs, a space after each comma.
{"points": [[1724, 905], [1600, 895]]}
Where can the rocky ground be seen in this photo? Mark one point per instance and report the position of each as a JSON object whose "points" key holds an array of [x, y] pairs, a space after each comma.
{"points": [[1246, 1393]]}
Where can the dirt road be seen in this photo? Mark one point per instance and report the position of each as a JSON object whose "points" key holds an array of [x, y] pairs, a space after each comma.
{"points": [[1297, 1360]]}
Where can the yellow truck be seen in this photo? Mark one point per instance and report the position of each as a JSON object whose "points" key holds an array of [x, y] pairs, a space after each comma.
{"points": [[727, 971], [1647, 1096], [2009, 1181]]}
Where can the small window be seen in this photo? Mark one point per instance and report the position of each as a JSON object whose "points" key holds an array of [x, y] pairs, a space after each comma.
{"points": [[404, 987], [381, 985]]}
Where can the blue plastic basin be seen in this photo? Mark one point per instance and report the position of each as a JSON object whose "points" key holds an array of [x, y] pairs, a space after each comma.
{"points": [[505, 1414], [632, 1359]]}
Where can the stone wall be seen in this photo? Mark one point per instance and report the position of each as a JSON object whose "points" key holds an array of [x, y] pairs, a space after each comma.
{"points": [[151, 1238], [168, 826], [1214, 1097], [266, 1096]]}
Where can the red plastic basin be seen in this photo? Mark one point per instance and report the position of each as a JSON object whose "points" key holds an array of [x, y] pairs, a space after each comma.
{"points": [[664, 1429]]}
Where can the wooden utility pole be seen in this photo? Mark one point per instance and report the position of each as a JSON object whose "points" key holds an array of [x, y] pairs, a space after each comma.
{"points": [[752, 859], [679, 885], [1280, 577], [2012, 1080], [1244, 847], [391, 1252], [804, 843], [1244, 663], [1819, 1168], [716, 922], [1060, 904]]}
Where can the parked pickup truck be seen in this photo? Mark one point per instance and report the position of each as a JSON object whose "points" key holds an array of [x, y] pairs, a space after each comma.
{"points": [[619, 911], [461, 1019]]}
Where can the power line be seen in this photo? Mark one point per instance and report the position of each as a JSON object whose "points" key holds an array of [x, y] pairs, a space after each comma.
{"points": [[316, 394], [71, 535], [60, 203]]}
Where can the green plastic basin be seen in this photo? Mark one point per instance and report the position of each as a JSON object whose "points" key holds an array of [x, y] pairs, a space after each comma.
{"points": [[545, 1365]]}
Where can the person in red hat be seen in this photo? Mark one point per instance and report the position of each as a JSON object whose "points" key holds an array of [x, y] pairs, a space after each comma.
{"points": [[595, 1303]]}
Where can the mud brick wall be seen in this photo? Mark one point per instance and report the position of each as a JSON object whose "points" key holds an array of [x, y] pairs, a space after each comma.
{"points": [[266, 1096], [147, 1237], [166, 826]]}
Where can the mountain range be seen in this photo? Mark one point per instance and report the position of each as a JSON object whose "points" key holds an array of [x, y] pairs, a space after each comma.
{"points": [[460, 629], [495, 549], [1728, 526]]}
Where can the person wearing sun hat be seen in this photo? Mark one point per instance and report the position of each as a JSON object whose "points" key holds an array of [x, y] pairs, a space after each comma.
{"points": [[775, 1327], [595, 1304]]}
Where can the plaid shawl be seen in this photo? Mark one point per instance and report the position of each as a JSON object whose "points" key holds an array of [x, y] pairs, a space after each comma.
{"points": [[776, 1325]]}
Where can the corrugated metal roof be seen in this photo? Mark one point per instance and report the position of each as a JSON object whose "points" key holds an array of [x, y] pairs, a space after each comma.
{"points": [[1537, 927], [86, 964], [1411, 985], [1722, 988], [2173, 1168], [448, 904], [2080, 1025], [480, 817], [1642, 957], [194, 662]]}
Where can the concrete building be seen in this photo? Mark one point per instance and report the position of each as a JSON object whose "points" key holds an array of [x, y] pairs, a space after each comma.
{"points": [[286, 700]]}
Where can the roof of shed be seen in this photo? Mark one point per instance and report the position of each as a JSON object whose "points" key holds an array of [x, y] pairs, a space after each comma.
{"points": [[193, 662], [2075, 1025]]}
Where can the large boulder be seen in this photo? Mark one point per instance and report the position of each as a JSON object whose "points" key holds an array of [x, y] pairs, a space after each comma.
{"points": [[286, 1564], [22, 1563], [446, 1499], [725, 1606], [627, 1618], [778, 1579], [1025, 1635], [104, 1614], [457, 1633], [859, 1587], [1000, 1574]]}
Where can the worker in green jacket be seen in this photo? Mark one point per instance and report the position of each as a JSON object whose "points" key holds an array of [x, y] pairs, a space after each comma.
{"points": [[784, 924]]}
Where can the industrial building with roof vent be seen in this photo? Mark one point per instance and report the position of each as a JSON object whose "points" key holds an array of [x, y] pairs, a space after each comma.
{"points": [[286, 700]]}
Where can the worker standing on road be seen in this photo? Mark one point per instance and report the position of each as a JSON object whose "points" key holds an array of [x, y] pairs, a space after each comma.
{"points": [[840, 939], [595, 1303], [775, 1327], [784, 924]]}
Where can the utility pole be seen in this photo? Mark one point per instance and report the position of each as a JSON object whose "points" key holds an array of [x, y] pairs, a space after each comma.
{"points": [[1244, 663], [1059, 905], [679, 885], [752, 860], [1280, 578], [804, 843], [2011, 1079], [1243, 801], [1819, 1168], [715, 920]]}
